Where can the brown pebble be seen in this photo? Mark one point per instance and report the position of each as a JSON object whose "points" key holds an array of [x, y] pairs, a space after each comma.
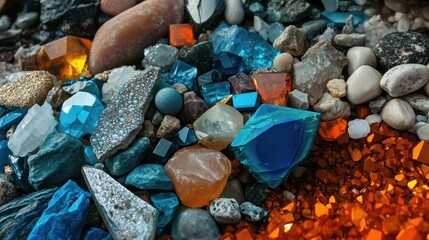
{"points": [[168, 127], [114, 7]]}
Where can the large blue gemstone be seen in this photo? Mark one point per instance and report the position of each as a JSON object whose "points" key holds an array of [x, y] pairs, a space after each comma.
{"points": [[12, 118], [80, 114], [274, 140], [338, 19], [184, 73], [215, 92], [166, 203]]}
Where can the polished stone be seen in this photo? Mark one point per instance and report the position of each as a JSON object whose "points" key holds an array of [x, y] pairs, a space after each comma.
{"points": [[214, 92], [194, 223], [168, 101], [246, 101], [12, 118]]}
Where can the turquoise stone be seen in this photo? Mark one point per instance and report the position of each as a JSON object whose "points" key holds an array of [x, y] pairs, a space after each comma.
{"points": [[184, 73], [246, 101], [166, 203], [3, 111], [79, 114], [187, 136], [90, 157], [11, 118], [168, 101], [228, 63], [214, 92], [255, 51], [149, 177], [338, 19], [274, 140]]}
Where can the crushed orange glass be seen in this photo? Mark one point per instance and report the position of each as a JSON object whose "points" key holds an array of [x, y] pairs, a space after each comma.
{"points": [[181, 35], [273, 88]]}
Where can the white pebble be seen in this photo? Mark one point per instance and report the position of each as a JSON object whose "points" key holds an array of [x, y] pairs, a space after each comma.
{"points": [[416, 127], [234, 11], [337, 88], [423, 132], [374, 118], [359, 56], [404, 79], [283, 62], [288, 195], [358, 128], [403, 25], [398, 114], [363, 85]]}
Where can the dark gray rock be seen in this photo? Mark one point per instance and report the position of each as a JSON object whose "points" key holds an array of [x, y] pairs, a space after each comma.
{"points": [[256, 193], [287, 11], [27, 20], [194, 223], [314, 28], [5, 23], [253, 213]]}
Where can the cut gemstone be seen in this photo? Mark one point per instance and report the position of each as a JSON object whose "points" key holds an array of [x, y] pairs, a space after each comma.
{"points": [[66, 57], [273, 88], [228, 63], [80, 114], [163, 151], [11, 118], [339, 19], [32, 130], [184, 73], [209, 77], [187, 136], [214, 92], [274, 140], [181, 35], [246, 101]]}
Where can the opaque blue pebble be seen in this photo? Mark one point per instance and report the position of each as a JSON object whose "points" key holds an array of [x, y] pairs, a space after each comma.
{"points": [[168, 101]]}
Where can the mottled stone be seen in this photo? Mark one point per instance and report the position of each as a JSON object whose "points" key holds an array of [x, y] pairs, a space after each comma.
{"points": [[27, 90], [56, 97], [350, 40], [116, 78], [398, 114], [149, 177], [332, 108], [252, 212], [115, 43], [363, 85], [123, 117], [114, 7], [405, 78], [180, 87], [194, 223], [8, 192], [193, 107], [256, 193], [418, 102], [225, 210], [288, 11], [293, 40], [241, 83], [169, 126], [83, 86], [149, 130], [377, 104]]}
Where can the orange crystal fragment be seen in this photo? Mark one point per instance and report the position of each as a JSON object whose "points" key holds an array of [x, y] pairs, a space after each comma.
{"points": [[408, 233], [273, 88], [321, 210], [181, 35], [331, 130], [421, 152], [363, 111], [374, 234], [66, 58], [243, 235]]}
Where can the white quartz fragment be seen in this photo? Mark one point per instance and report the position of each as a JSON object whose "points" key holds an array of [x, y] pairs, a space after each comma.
{"points": [[117, 78], [358, 128]]}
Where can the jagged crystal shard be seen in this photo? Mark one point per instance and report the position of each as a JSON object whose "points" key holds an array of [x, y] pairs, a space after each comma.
{"points": [[123, 117], [117, 78], [125, 215], [32, 130], [274, 140], [80, 114]]}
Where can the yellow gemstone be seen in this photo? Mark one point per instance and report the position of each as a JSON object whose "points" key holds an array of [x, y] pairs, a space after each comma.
{"points": [[66, 58]]}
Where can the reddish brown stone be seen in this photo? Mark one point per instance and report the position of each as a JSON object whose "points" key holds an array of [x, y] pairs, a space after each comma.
{"points": [[241, 83], [193, 107], [114, 7]]}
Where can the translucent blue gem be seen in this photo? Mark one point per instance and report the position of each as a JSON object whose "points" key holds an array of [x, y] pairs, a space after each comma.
{"points": [[255, 51], [228, 63], [2, 134], [187, 136], [209, 77], [90, 157], [274, 140], [214, 92], [166, 203], [4, 153], [274, 31], [163, 151], [80, 114], [184, 73], [246, 101], [11, 118], [338, 19]]}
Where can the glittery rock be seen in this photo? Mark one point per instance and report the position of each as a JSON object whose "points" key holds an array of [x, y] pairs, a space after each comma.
{"points": [[123, 117]]}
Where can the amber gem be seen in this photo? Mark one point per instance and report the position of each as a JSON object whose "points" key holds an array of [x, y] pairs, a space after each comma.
{"points": [[331, 130], [421, 152], [66, 58], [181, 35], [273, 88]]}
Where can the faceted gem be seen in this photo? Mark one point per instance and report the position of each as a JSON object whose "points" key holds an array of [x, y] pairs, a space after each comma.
{"points": [[187, 136], [124, 221], [255, 51], [79, 114], [228, 63], [274, 140], [241, 83], [246, 101], [193, 107], [214, 92], [273, 88], [149, 177], [218, 126], [421, 152], [194, 223], [184, 73], [123, 117], [199, 55], [65, 215], [332, 130], [163, 151], [338, 19], [32, 130], [166, 203], [168, 101], [160, 55], [12, 118], [198, 174], [66, 57], [209, 77], [181, 35]]}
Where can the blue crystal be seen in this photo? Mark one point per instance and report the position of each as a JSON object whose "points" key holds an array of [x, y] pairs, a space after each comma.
{"points": [[274, 140], [4, 153], [255, 51], [184, 73], [274, 31], [80, 114], [228, 63], [90, 157], [11, 118], [149, 177], [209, 77], [246, 101], [187, 136], [338, 19], [166, 203], [163, 150], [214, 92]]}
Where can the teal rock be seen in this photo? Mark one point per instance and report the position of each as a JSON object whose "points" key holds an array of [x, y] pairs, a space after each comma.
{"points": [[90, 157], [18, 217], [168, 101], [194, 223], [166, 204], [65, 215], [58, 160], [96, 234], [128, 159], [149, 177], [274, 140], [83, 86]]}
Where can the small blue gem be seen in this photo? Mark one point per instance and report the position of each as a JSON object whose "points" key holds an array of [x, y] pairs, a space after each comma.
{"points": [[4, 153], [228, 63], [184, 73], [246, 101], [338, 19], [215, 92], [90, 157], [187, 136], [163, 151], [12, 118]]}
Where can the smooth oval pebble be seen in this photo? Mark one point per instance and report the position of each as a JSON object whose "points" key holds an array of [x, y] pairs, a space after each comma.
{"points": [[234, 11], [116, 41], [363, 85], [114, 7], [398, 114], [283, 62], [423, 132], [404, 79], [359, 56]]}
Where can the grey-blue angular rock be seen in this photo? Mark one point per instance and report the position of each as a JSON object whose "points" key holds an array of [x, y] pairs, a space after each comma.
{"points": [[65, 215], [314, 28], [256, 193], [128, 159], [287, 11], [149, 177], [166, 203], [83, 86], [5, 23], [233, 189], [160, 55], [27, 20], [252, 212], [58, 160], [193, 224]]}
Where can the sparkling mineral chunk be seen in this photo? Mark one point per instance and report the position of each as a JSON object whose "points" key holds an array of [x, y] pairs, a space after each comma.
{"points": [[80, 114], [274, 140], [125, 215], [32, 130], [123, 117], [214, 92], [181, 35], [246, 101], [421, 152], [198, 174], [184, 73], [117, 78], [228, 63], [66, 57], [273, 88], [218, 126]]}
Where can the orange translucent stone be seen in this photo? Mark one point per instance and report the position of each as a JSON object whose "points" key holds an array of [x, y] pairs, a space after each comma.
{"points": [[356, 155], [391, 225], [273, 88], [181, 35], [66, 58], [421, 152], [331, 130], [321, 210], [363, 111], [409, 233], [374, 234], [274, 234], [243, 235]]}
